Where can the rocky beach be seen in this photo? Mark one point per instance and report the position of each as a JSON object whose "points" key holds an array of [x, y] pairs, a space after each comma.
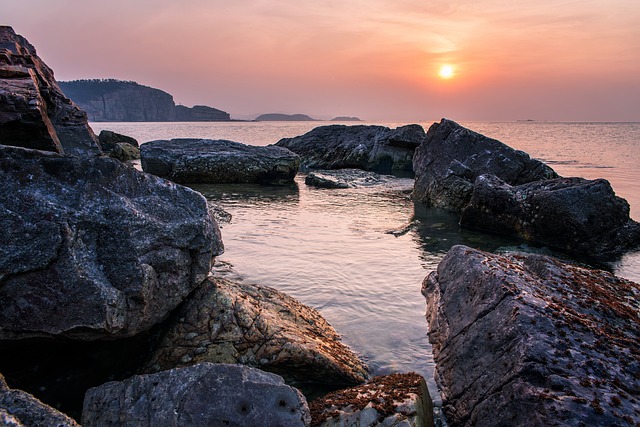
{"points": [[111, 314]]}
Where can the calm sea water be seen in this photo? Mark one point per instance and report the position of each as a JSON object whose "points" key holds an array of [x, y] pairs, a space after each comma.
{"points": [[333, 250]]}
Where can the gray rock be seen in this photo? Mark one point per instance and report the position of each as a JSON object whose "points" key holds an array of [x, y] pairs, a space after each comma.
{"points": [[373, 148], [34, 113], [344, 178], [108, 140], [226, 322], [124, 152], [527, 340], [218, 161], [18, 408], [573, 214], [93, 249], [452, 157], [392, 401], [202, 395]]}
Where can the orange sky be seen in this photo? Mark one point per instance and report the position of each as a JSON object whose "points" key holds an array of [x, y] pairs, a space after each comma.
{"points": [[375, 59]]}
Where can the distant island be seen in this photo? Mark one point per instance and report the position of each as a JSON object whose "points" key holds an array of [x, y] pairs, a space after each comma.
{"points": [[111, 100], [277, 117], [345, 119]]}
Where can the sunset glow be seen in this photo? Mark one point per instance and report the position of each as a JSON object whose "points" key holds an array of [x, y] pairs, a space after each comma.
{"points": [[375, 59]]}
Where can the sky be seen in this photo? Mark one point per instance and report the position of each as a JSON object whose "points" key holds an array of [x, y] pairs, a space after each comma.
{"points": [[379, 60]]}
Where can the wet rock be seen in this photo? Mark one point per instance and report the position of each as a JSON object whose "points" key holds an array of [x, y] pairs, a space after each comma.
{"points": [[18, 408], [226, 322], [218, 161], [392, 400], [528, 340], [202, 395], [373, 148], [34, 113], [573, 214], [93, 249], [344, 178], [452, 157]]}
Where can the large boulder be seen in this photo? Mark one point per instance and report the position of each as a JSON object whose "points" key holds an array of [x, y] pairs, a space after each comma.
{"points": [[109, 139], [18, 408], [210, 161], [528, 340], [373, 148], [226, 322], [34, 113], [202, 395], [452, 157], [573, 214], [93, 249], [396, 400]]}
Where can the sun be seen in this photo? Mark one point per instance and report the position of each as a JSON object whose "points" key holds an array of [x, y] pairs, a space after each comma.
{"points": [[446, 71]]}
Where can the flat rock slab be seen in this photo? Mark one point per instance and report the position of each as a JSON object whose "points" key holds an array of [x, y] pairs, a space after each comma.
{"points": [[373, 148], [227, 322], [525, 339], [208, 161], [93, 249], [396, 400], [345, 178], [206, 394], [452, 157]]}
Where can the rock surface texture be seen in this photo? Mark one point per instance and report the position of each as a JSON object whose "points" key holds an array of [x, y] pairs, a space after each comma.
{"points": [[117, 146], [573, 214], [345, 178], [202, 395], [373, 148], [94, 249], [452, 157], [218, 161], [527, 340], [397, 400], [226, 322], [18, 408], [34, 113]]}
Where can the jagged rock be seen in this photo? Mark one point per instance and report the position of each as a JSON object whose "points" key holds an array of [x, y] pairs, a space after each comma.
{"points": [[226, 322], [18, 408], [218, 161], [94, 249], [528, 340], [344, 178], [452, 157], [374, 148], [34, 113], [392, 401], [202, 395], [573, 214], [108, 140]]}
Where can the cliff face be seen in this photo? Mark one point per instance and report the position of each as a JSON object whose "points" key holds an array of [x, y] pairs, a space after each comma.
{"points": [[122, 101]]}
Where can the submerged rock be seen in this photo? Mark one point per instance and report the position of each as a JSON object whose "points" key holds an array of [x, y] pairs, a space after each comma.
{"points": [[218, 161], [226, 322], [93, 249], [573, 214], [344, 178], [452, 157], [18, 408], [374, 148], [206, 394], [528, 340], [392, 400], [34, 113]]}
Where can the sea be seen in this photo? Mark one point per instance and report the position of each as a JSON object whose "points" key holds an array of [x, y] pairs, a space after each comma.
{"points": [[359, 256]]}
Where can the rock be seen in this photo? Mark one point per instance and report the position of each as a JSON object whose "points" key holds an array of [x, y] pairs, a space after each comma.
{"points": [[452, 157], [528, 340], [202, 395], [573, 214], [93, 249], [124, 152], [18, 408], [109, 139], [226, 322], [344, 178], [34, 113], [374, 148], [391, 400], [218, 161]]}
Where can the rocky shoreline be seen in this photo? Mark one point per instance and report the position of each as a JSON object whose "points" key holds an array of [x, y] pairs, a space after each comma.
{"points": [[111, 266]]}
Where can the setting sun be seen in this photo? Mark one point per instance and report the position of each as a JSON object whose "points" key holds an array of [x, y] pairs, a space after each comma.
{"points": [[446, 72]]}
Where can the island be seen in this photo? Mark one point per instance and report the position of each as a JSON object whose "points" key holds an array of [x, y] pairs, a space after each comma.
{"points": [[277, 117], [345, 119]]}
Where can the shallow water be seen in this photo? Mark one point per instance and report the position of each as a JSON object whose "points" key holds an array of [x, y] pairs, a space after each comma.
{"points": [[332, 249]]}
